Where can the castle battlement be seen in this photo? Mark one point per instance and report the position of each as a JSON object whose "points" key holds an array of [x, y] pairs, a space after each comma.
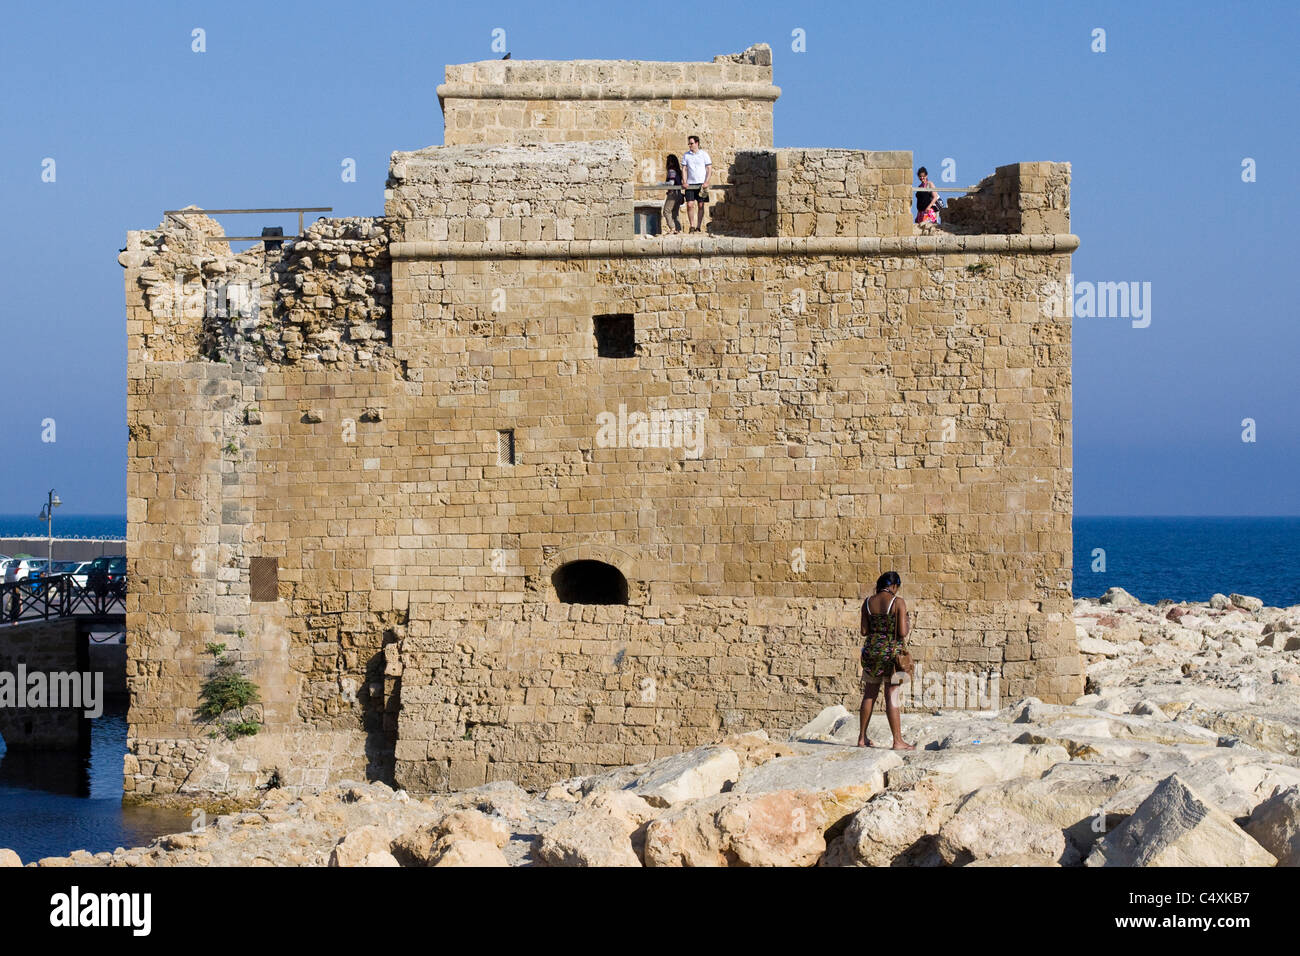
{"points": [[489, 487]]}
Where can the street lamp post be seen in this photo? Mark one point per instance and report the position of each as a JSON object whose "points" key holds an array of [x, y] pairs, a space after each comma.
{"points": [[47, 515]]}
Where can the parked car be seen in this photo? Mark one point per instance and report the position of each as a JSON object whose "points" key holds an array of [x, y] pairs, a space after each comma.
{"points": [[107, 575], [79, 572], [19, 569], [56, 574]]}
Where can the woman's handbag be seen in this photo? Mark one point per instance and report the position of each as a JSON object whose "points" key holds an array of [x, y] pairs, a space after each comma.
{"points": [[903, 660]]}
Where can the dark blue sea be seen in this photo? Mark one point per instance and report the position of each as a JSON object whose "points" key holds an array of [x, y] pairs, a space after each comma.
{"points": [[1189, 559], [65, 526]]}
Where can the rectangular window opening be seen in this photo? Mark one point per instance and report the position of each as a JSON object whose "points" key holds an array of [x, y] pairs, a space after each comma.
{"points": [[615, 335], [506, 446]]}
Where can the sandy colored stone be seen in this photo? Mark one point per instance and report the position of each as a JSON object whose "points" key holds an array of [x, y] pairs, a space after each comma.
{"points": [[1275, 825], [975, 833], [1175, 827]]}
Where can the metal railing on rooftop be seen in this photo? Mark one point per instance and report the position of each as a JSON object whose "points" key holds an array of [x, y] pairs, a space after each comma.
{"points": [[239, 212]]}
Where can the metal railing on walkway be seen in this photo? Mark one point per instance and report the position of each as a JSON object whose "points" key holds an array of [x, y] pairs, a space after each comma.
{"points": [[59, 595]]}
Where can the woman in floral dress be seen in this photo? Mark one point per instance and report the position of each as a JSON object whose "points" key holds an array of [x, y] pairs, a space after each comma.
{"points": [[884, 626]]}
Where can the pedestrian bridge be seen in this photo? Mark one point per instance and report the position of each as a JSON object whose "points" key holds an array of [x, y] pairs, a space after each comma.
{"points": [[58, 596], [46, 642]]}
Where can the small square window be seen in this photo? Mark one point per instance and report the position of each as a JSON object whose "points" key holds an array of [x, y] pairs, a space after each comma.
{"points": [[264, 579], [615, 336], [506, 447]]}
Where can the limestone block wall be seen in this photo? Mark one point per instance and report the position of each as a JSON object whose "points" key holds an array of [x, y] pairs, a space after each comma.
{"points": [[511, 193], [898, 404], [652, 106], [817, 192], [1021, 198]]}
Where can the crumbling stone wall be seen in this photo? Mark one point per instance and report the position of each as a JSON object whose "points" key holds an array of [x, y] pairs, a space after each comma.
{"points": [[1020, 199], [323, 298], [216, 341]]}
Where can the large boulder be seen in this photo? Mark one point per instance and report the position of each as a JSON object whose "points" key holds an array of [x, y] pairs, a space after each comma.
{"points": [[10, 858], [979, 833], [1118, 597], [893, 827], [474, 853], [739, 829], [1275, 825], [354, 847], [823, 725], [1246, 603], [687, 776], [607, 829], [425, 845], [958, 772], [842, 778], [1175, 827]]}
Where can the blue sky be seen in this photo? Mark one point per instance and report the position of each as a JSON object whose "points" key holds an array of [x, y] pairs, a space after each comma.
{"points": [[1156, 127]]}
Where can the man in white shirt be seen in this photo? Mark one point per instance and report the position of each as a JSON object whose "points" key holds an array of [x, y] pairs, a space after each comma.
{"points": [[698, 167]]}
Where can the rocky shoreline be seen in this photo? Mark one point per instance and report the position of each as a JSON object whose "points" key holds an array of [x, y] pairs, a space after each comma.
{"points": [[1185, 750]]}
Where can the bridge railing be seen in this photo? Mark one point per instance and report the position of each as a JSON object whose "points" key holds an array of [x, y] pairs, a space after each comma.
{"points": [[59, 595]]}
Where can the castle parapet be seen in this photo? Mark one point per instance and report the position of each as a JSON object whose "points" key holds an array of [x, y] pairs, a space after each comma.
{"points": [[508, 193], [1029, 199], [823, 193]]}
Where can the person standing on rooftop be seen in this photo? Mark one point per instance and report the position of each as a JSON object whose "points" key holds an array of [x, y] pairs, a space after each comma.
{"points": [[673, 176], [699, 167]]}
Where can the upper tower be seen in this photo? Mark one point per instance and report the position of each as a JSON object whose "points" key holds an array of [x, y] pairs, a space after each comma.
{"points": [[651, 106]]}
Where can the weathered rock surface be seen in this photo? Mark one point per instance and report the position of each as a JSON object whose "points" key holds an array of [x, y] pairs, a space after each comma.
{"points": [[1275, 825], [781, 828], [608, 829], [979, 833], [1176, 827], [688, 776]]}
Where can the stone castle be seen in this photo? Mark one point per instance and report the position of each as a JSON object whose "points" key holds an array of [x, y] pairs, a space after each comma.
{"points": [[491, 487]]}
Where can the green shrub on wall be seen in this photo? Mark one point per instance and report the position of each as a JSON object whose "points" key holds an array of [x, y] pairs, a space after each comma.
{"points": [[224, 696]]}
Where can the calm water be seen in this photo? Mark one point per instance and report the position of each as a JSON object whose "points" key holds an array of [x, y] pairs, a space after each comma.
{"points": [[65, 526], [54, 802], [1189, 559]]}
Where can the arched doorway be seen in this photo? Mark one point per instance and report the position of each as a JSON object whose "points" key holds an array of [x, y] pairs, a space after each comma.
{"points": [[589, 582]]}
